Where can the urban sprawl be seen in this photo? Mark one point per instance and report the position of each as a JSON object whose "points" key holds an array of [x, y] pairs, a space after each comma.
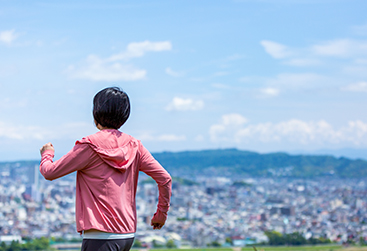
{"points": [[226, 211]]}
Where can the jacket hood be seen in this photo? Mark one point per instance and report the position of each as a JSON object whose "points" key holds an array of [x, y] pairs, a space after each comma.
{"points": [[116, 149]]}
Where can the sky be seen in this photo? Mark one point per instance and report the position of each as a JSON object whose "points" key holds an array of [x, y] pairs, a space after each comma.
{"points": [[258, 75]]}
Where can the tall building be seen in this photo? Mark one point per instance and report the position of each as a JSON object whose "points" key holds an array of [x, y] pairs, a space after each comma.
{"points": [[35, 188]]}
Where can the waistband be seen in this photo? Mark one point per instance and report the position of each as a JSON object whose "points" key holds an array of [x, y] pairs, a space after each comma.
{"points": [[106, 236]]}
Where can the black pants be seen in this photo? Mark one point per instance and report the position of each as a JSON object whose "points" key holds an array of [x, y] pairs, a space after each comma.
{"points": [[107, 245]]}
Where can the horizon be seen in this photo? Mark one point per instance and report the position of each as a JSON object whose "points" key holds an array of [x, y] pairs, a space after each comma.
{"points": [[248, 74], [352, 154]]}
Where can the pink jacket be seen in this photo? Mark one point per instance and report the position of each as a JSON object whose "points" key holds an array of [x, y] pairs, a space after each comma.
{"points": [[108, 164]]}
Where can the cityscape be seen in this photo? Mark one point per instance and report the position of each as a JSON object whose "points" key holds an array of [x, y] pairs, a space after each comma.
{"points": [[256, 108], [205, 211]]}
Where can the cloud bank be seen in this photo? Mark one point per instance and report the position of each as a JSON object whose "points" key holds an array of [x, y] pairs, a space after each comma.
{"points": [[340, 48], [341, 59], [117, 67], [234, 128], [276, 50], [65, 131], [8, 36], [162, 137], [356, 87], [182, 104]]}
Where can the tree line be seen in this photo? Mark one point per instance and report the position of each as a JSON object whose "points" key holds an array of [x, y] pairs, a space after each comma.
{"points": [[42, 243], [293, 239]]}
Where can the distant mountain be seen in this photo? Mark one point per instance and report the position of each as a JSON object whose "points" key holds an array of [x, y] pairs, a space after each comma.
{"points": [[236, 162], [233, 162], [350, 153]]}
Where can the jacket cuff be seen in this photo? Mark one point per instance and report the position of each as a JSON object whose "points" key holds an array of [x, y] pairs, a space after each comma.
{"points": [[48, 153], [163, 209]]}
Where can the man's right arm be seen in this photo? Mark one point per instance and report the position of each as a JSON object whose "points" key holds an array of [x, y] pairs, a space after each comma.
{"points": [[151, 167]]}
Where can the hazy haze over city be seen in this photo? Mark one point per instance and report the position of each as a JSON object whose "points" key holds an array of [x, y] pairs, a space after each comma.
{"points": [[259, 75]]}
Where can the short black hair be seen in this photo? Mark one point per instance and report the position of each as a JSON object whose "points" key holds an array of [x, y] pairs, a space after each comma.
{"points": [[111, 107]]}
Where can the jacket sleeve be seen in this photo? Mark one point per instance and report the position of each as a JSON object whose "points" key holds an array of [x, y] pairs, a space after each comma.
{"points": [[151, 167], [75, 160]]}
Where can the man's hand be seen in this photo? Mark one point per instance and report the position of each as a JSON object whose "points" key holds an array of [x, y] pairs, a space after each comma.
{"points": [[158, 220], [47, 146]]}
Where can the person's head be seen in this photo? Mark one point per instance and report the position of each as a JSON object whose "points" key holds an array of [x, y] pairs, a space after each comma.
{"points": [[111, 107]]}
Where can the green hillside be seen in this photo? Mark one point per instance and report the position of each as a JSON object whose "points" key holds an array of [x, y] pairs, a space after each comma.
{"points": [[234, 161], [231, 162]]}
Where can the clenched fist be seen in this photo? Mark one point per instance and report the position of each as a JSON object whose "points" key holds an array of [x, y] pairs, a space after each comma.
{"points": [[47, 146]]}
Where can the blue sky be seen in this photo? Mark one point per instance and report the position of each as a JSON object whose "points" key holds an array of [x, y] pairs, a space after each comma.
{"points": [[261, 75]]}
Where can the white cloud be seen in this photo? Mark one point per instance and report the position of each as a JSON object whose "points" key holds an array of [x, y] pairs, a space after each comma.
{"points": [[181, 104], [288, 1], [269, 92], [19, 132], [233, 119], [283, 83], [319, 54], [275, 50], [171, 137], [356, 87], [296, 80], [70, 131], [116, 67], [162, 137], [341, 48], [173, 73], [8, 36], [10, 103], [303, 62], [360, 30], [234, 57], [355, 70], [289, 131], [199, 138], [220, 73], [135, 50], [294, 131], [361, 61], [229, 123], [221, 86], [96, 69]]}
